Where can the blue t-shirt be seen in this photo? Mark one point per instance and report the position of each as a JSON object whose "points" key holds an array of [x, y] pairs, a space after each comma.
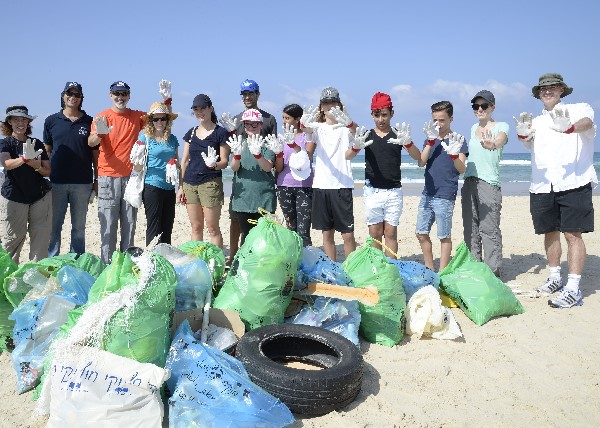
{"points": [[441, 177], [197, 172], [71, 161], [23, 184], [159, 153]]}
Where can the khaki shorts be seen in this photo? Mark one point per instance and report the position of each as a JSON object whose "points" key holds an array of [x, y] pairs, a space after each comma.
{"points": [[208, 194]]}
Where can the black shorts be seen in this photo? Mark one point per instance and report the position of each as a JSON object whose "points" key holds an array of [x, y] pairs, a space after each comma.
{"points": [[333, 209], [566, 211]]}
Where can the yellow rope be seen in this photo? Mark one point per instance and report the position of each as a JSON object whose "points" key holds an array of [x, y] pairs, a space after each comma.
{"points": [[385, 246]]}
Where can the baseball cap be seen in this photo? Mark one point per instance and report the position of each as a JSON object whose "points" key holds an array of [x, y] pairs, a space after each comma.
{"points": [[329, 94], [252, 115], [486, 95], [381, 100], [201, 101], [249, 85], [73, 85], [119, 86], [299, 165]]}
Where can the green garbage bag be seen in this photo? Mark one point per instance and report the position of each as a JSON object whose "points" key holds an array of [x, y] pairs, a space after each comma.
{"points": [[206, 251], [476, 290], [384, 322], [90, 263], [262, 275], [7, 266]]}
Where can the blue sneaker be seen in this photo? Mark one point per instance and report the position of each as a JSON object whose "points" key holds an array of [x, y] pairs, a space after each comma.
{"points": [[551, 286], [567, 299]]}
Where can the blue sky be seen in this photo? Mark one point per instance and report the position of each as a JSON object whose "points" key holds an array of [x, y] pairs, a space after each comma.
{"points": [[418, 52]]}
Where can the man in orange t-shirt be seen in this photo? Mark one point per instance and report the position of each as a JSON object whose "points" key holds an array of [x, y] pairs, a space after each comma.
{"points": [[115, 129]]}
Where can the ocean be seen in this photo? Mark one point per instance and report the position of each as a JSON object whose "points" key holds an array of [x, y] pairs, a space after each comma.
{"points": [[515, 173]]}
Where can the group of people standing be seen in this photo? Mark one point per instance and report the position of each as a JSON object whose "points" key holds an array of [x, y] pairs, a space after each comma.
{"points": [[306, 168]]}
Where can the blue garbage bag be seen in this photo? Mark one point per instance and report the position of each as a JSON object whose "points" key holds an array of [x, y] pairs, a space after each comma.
{"points": [[415, 276]]}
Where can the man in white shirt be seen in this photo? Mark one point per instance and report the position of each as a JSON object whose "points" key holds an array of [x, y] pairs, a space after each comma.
{"points": [[561, 141]]}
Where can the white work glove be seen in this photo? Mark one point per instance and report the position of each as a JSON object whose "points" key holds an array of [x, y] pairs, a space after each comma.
{"points": [[102, 127], [138, 153], [455, 143], [211, 158], [29, 151], [431, 130], [235, 144], [228, 122], [360, 139], [289, 135], [309, 117], [402, 135], [275, 144], [255, 144], [523, 126], [342, 119], [164, 89], [172, 173], [562, 121]]}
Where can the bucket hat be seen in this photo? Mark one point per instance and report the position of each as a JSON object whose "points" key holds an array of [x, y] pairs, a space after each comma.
{"points": [[549, 79]]}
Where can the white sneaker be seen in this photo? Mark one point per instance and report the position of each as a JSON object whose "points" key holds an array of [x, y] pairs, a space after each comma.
{"points": [[551, 286], [567, 299]]}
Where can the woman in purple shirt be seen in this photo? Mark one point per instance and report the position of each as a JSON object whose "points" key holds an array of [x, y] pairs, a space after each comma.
{"points": [[294, 180]]}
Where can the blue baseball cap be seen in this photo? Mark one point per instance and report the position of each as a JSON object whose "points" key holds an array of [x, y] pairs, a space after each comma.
{"points": [[73, 85], [249, 85], [119, 86]]}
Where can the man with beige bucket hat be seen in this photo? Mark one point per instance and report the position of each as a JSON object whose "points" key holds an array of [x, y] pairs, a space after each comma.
{"points": [[561, 141]]}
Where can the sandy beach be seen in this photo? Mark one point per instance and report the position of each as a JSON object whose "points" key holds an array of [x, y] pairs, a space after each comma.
{"points": [[535, 369]]}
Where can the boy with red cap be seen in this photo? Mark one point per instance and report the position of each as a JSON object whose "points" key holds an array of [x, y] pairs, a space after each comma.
{"points": [[382, 193]]}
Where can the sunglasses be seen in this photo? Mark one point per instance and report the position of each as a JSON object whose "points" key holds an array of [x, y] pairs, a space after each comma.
{"points": [[121, 94], [159, 119], [483, 106], [73, 94], [252, 125], [247, 94]]}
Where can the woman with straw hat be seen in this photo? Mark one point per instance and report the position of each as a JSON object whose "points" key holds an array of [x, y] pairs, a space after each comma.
{"points": [[26, 202], [156, 151]]}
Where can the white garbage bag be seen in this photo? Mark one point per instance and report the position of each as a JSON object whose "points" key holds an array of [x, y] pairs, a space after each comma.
{"points": [[426, 316]]}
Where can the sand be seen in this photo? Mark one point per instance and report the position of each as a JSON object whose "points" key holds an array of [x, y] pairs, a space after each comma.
{"points": [[535, 369]]}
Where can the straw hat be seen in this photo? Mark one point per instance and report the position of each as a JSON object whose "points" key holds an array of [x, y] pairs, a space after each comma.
{"points": [[159, 108]]}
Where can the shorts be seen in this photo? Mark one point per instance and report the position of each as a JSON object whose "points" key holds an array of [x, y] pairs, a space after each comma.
{"points": [[383, 205], [566, 211], [333, 209], [435, 209], [208, 194]]}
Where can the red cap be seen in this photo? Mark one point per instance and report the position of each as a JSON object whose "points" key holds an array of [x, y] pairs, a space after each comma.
{"points": [[381, 100]]}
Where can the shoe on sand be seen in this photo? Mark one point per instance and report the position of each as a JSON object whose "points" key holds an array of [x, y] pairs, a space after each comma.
{"points": [[551, 286], [567, 299]]}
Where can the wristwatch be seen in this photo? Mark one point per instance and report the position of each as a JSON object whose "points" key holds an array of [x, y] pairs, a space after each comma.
{"points": [[37, 169]]}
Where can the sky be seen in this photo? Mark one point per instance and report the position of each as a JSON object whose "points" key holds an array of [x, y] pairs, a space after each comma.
{"points": [[419, 52]]}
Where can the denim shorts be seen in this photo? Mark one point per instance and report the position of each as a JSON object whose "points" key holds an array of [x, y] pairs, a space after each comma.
{"points": [[382, 205], [435, 209]]}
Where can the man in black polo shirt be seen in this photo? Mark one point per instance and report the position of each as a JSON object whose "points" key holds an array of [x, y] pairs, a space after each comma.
{"points": [[73, 167]]}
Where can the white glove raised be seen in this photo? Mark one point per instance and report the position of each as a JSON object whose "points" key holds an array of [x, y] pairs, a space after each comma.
{"points": [[360, 139], [289, 135], [228, 122], [255, 145], [29, 151], [235, 144], [274, 144], [309, 117], [164, 89], [455, 143], [138, 153], [523, 125], [342, 119], [402, 135], [431, 130], [172, 175], [102, 127], [562, 120], [211, 158]]}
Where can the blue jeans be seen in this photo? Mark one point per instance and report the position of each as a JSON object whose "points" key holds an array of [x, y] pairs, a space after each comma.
{"points": [[435, 209], [77, 196]]}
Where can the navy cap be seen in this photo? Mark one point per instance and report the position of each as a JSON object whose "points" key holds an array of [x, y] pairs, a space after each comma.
{"points": [[486, 95], [249, 85], [119, 86], [201, 101], [73, 85]]}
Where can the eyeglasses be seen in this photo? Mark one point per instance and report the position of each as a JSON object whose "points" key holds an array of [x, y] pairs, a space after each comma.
{"points": [[252, 125], [550, 88], [73, 94], [121, 94], [160, 119], [247, 94], [483, 106]]}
